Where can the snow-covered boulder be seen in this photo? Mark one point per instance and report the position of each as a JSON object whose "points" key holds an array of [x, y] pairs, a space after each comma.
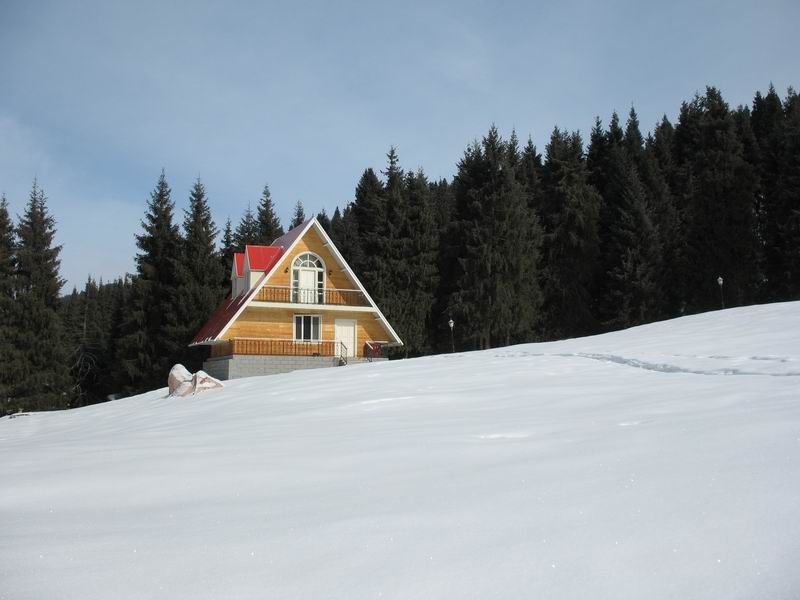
{"points": [[178, 375], [182, 383]]}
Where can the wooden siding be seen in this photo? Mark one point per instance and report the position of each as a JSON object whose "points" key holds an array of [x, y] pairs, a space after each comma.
{"points": [[277, 323]]}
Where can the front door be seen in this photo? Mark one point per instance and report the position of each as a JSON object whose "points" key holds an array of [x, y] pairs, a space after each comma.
{"points": [[345, 333], [307, 286]]}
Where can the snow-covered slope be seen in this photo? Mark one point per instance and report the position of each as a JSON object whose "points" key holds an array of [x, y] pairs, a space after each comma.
{"points": [[660, 462]]}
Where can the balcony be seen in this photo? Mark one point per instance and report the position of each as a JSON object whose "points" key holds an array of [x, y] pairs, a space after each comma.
{"points": [[267, 347], [323, 296]]}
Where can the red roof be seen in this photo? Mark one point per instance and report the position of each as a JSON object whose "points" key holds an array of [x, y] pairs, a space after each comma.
{"points": [[288, 238], [238, 259], [221, 317], [262, 258]]}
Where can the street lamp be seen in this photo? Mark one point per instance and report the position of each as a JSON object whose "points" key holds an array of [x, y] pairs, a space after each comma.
{"points": [[721, 295], [451, 323]]}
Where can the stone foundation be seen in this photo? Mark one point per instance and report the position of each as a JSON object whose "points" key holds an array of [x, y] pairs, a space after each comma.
{"points": [[243, 365]]}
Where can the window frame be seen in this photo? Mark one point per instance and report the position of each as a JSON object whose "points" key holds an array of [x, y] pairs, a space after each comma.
{"points": [[311, 339], [320, 279]]}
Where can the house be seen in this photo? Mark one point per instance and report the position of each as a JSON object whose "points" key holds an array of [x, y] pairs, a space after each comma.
{"points": [[295, 304]]}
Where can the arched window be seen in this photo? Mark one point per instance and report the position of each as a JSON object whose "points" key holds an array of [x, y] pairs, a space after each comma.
{"points": [[308, 279]]}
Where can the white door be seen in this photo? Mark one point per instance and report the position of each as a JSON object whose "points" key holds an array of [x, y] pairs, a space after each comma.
{"points": [[345, 332], [307, 284]]}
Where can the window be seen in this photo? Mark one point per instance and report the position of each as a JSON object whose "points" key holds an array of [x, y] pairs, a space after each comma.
{"points": [[308, 261], [307, 328], [308, 279]]}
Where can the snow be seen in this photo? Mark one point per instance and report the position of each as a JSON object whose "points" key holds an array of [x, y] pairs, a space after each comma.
{"points": [[659, 462]]}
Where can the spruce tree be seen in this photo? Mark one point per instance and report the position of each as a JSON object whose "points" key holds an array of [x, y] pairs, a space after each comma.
{"points": [[788, 194], [116, 379], [443, 202], [43, 381], [719, 195], [10, 360], [226, 252], [247, 231], [768, 124], [572, 248], [269, 225], [496, 294], [530, 174], [87, 319], [388, 273], [418, 265], [368, 243], [629, 249], [344, 232], [6, 248], [148, 349], [299, 216], [199, 276], [324, 221]]}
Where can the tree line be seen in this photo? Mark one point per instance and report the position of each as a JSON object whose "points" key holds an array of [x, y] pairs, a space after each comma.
{"points": [[521, 245]]}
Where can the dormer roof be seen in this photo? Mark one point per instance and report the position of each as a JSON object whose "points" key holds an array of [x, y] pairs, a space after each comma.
{"points": [[238, 260], [262, 258]]}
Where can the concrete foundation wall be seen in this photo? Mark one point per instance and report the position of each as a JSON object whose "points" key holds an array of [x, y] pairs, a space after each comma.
{"points": [[240, 365]]}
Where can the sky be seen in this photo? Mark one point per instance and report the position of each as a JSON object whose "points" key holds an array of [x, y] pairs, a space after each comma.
{"points": [[96, 98]]}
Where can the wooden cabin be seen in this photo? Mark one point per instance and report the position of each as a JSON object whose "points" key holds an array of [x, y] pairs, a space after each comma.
{"points": [[295, 304]]}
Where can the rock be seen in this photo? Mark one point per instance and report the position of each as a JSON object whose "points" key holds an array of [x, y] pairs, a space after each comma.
{"points": [[178, 374], [182, 383]]}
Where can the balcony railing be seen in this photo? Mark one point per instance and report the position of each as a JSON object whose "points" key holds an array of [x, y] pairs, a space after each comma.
{"points": [[262, 347], [324, 296]]}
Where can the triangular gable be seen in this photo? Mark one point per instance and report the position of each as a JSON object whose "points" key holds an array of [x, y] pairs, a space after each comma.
{"points": [[287, 242]]}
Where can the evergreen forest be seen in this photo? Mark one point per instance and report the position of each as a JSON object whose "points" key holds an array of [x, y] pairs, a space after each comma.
{"points": [[583, 236]]}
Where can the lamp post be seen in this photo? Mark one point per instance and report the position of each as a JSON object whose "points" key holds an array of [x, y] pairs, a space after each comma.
{"points": [[721, 294], [451, 323]]}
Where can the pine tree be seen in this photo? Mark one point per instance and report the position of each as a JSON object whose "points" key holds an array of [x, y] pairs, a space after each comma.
{"points": [[336, 223], [6, 249], [269, 225], [719, 196], [344, 232], [369, 243], [299, 216], [530, 174], [116, 379], [247, 231], [388, 273], [324, 221], [443, 202], [788, 194], [147, 350], [419, 245], [10, 359], [199, 276], [660, 177], [633, 279], [496, 295], [87, 320], [43, 380], [768, 122], [226, 252], [625, 290], [572, 247]]}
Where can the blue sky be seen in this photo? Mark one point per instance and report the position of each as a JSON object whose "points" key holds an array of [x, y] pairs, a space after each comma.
{"points": [[97, 97]]}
